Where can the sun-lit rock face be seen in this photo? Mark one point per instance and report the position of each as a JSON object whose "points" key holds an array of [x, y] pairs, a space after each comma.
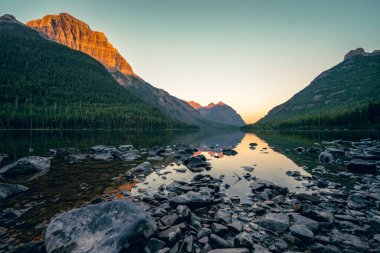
{"points": [[76, 34]]}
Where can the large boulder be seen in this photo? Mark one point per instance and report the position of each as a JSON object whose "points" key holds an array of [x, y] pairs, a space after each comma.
{"points": [[104, 227], [8, 190], [361, 166], [28, 165]]}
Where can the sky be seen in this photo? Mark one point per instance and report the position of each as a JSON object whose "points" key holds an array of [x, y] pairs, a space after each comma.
{"points": [[252, 55]]}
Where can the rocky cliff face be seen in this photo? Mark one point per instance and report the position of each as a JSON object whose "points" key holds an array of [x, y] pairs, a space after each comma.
{"points": [[67, 30], [219, 113]]}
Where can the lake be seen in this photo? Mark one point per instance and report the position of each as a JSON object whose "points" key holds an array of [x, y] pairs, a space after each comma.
{"points": [[25, 216]]}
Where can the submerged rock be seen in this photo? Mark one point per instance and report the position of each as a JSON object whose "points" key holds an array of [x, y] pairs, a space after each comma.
{"points": [[196, 162], [8, 190], [105, 227], [361, 166], [326, 157], [28, 165], [144, 167]]}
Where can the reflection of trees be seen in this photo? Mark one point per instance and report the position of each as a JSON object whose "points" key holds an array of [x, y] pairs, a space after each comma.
{"points": [[285, 143], [224, 139]]}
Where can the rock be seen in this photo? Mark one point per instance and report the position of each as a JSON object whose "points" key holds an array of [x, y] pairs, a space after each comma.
{"points": [[204, 232], [125, 148], [76, 158], [320, 248], [307, 197], [357, 201], [218, 242], [313, 150], [275, 221], [375, 223], [243, 240], [302, 231], [196, 162], [229, 152], [144, 167], [103, 157], [130, 155], [317, 213], [293, 173], [298, 219], [192, 199], [223, 216], [171, 219], [188, 244], [183, 211], [348, 241], [361, 166], [248, 168], [260, 249], [326, 157], [236, 226], [300, 149], [171, 234], [335, 151], [26, 166], [103, 227], [219, 229], [230, 250], [154, 245], [9, 190]]}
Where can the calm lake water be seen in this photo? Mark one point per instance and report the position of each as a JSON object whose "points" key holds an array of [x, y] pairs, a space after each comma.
{"points": [[59, 189]]}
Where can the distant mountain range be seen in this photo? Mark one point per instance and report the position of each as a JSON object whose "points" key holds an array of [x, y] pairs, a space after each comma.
{"points": [[69, 31], [48, 85], [219, 113], [346, 94]]}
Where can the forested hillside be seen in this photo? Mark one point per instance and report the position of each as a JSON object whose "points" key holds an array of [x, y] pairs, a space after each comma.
{"points": [[345, 96], [47, 85]]}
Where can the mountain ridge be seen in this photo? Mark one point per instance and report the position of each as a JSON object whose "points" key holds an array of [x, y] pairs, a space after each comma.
{"points": [[52, 27], [48, 85], [220, 113], [347, 86]]}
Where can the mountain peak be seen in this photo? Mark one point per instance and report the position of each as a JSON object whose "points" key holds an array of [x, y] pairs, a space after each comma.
{"points": [[360, 51], [194, 104], [220, 103], [8, 17], [76, 34]]}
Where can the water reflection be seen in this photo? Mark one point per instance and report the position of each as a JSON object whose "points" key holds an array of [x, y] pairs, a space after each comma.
{"points": [[268, 164], [60, 189]]}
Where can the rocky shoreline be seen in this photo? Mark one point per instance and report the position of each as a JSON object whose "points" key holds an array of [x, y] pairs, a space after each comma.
{"points": [[199, 216]]}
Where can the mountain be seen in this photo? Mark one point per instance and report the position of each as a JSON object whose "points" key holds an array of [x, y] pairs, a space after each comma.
{"points": [[336, 94], [69, 31], [219, 113], [48, 85]]}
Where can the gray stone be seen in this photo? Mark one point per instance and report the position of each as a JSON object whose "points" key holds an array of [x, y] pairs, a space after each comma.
{"points": [[275, 221], [302, 231], [144, 167], [28, 165], [9, 190], [103, 227]]}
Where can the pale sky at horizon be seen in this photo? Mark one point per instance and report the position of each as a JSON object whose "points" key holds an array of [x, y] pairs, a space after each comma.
{"points": [[252, 55]]}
